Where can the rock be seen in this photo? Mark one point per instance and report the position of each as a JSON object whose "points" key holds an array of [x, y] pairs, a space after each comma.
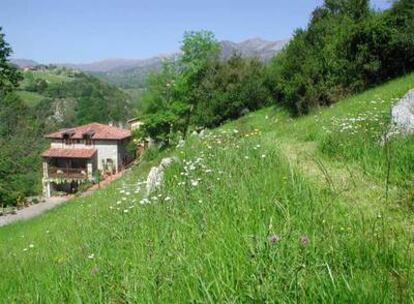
{"points": [[154, 179], [402, 115], [156, 174]]}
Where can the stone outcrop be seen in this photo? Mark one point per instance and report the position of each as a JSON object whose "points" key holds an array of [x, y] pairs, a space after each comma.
{"points": [[156, 174], [402, 115]]}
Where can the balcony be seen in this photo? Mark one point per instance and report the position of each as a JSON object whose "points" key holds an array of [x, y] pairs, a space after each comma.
{"points": [[56, 172]]}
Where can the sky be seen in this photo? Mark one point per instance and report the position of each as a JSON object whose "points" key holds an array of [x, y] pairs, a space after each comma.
{"points": [[81, 31]]}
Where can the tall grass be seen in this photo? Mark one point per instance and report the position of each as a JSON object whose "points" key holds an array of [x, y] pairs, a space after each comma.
{"points": [[235, 221]]}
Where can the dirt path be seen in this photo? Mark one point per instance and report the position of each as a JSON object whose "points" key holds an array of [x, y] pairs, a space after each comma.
{"points": [[351, 186], [345, 180], [34, 210], [50, 203]]}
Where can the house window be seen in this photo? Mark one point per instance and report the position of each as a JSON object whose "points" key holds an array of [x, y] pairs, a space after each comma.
{"points": [[67, 140], [88, 140]]}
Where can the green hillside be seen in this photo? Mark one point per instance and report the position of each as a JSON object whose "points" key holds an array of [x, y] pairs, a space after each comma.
{"points": [[268, 208]]}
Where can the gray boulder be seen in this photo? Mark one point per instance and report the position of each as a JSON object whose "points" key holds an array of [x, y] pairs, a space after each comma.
{"points": [[156, 174], [402, 115]]}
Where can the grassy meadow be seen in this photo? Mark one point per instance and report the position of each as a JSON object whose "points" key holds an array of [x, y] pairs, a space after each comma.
{"points": [[268, 208]]}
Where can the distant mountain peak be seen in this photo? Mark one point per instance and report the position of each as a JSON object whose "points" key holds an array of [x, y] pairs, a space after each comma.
{"points": [[23, 63], [254, 47], [119, 71]]}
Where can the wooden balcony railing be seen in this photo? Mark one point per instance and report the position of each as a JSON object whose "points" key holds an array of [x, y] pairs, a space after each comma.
{"points": [[68, 172]]}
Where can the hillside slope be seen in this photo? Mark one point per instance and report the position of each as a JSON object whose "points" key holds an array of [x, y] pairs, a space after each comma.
{"points": [[267, 207]]}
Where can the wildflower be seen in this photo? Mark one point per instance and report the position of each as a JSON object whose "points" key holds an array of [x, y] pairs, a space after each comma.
{"points": [[126, 211], [94, 270], [167, 198], [25, 249], [274, 239], [31, 246], [194, 183], [263, 155], [304, 241], [144, 201], [91, 256]]}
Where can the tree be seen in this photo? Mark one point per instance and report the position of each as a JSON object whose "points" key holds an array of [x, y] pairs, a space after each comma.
{"points": [[229, 89], [346, 48], [9, 75], [172, 94], [199, 49]]}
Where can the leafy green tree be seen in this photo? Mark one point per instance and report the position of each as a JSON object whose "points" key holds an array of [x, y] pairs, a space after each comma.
{"points": [[229, 89], [199, 50], [347, 47], [165, 113], [172, 95], [9, 75], [400, 48]]}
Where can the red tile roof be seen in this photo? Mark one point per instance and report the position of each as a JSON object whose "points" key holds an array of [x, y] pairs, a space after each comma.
{"points": [[95, 130], [69, 153]]}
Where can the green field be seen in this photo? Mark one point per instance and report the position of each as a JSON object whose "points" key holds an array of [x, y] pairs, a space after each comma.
{"points": [[51, 76], [268, 208], [30, 98]]}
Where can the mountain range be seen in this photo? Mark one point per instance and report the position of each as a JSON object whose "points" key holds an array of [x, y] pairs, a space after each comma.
{"points": [[131, 73]]}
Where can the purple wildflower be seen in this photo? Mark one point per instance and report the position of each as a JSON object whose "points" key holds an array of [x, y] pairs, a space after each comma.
{"points": [[94, 270], [304, 241], [274, 239]]}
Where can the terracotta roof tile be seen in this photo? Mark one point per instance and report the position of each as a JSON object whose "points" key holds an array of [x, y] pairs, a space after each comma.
{"points": [[95, 130], [69, 153]]}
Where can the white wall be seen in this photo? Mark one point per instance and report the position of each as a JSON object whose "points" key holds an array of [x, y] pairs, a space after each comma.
{"points": [[106, 149], [59, 143]]}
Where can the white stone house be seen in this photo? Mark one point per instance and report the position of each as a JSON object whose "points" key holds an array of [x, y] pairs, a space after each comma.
{"points": [[76, 154], [135, 123]]}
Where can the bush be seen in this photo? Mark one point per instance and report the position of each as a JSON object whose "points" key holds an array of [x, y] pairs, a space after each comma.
{"points": [[151, 153], [346, 48]]}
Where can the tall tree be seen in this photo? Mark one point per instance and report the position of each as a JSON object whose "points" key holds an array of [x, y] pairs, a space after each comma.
{"points": [[9, 75], [200, 49], [173, 94]]}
